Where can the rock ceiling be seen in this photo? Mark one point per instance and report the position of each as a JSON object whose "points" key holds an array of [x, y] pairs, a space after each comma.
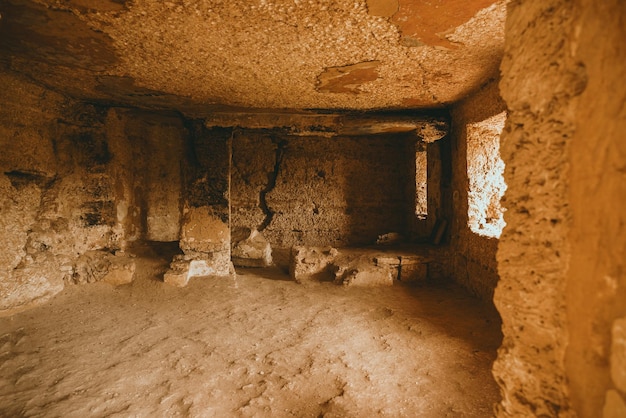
{"points": [[256, 54]]}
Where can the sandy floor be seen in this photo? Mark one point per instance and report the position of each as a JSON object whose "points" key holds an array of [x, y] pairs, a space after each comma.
{"points": [[257, 345]]}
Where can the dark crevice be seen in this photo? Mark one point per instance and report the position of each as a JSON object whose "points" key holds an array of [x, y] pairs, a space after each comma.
{"points": [[20, 179], [272, 176]]}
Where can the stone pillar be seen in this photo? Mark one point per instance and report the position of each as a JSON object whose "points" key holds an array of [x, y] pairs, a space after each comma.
{"points": [[540, 82], [205, 226]]}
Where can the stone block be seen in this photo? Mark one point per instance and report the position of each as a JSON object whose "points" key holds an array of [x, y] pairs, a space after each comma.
{"points": [[200, 268], [203, 231], [618, 354], [413, 272], [91, 267], [121, 271], [252, 251], [387, 260], [178, 278], [184, 267], [366, 275], [312, 263]]}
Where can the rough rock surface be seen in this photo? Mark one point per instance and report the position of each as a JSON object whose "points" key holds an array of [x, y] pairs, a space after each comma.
{"points": [[206, 238], [319, 191], [121, 271], [360, 267], [312, 263], [251, 251], [361, 270], [473, 254], [561, 256], [74, 188], [596, 283], [29, 286], [540, 83], [261, 54]]}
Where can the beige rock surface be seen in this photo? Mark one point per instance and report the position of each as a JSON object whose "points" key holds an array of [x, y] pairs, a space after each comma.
{"points": [[252, 251], [540, 83], [203, 231], [121, 271], [258, 54], [29, 286]]}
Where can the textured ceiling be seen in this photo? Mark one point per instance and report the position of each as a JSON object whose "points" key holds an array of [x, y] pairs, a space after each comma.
{"points": [[265, 54]]}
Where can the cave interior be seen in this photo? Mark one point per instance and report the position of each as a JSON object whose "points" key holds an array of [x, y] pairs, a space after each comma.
{"points": [[358, 144]]}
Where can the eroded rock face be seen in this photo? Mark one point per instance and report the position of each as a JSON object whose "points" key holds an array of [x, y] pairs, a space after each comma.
{"points": [[312, 263], [30, 286], [473, 255], [121, 270], [262, 54], [319, 191], [251, 249], [361, 271], [561, 256], [73, 190], [540, 84]]}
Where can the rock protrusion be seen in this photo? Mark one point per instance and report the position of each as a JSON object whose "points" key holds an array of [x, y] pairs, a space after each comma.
{"points": [[251, 249], [356, 267], [312, 263]]}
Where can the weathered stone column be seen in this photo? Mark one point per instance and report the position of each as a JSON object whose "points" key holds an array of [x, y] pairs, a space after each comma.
{"points": [[205, 226], [540, 84]]}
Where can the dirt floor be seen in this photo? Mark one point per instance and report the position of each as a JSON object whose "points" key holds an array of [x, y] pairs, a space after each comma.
{"points": [[255, 345]]}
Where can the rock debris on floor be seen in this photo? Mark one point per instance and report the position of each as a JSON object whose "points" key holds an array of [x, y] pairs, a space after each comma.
{"points": [[254, 345]]}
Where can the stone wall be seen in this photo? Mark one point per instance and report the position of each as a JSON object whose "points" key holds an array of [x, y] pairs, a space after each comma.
{"points": [[78, 183], [148, 151], [561, 256], [57, 197], [320, 191], [473, 254], [206, 228], [596, 280]]}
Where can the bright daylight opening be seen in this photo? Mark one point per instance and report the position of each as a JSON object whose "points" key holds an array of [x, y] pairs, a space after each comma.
{"points": [[421, 181], [485, 171]]}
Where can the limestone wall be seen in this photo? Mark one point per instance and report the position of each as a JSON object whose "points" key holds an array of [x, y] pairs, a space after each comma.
{"points": [[78, 183], [561, 256], [320, 191], [205, 231], [596, 280], [56, 199], [148, 150], [473, 253]]}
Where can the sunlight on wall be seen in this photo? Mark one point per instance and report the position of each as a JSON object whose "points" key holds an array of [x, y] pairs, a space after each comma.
{"points": [[421, 182], [485, 170]]}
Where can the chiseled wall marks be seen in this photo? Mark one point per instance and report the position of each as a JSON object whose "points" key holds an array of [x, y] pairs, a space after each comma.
{"points": [[473, 255]]}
